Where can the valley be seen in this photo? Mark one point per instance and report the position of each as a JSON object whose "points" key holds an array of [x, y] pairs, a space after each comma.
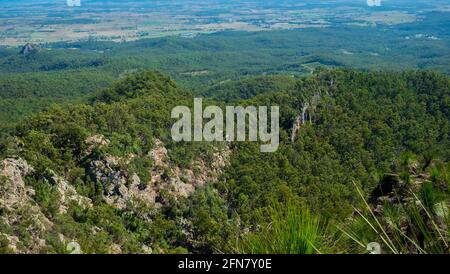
{"points": [[89, 162]]}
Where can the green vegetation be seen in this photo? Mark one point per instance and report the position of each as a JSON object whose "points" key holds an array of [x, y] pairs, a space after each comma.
{"points": [[408, 224], [86, 153], [208, 64], [365, 126], [292, 230]]}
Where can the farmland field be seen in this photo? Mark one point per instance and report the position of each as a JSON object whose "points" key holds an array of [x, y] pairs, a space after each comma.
{"points": [[52, 21]]}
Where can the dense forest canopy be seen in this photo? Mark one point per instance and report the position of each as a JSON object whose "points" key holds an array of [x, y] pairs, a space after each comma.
{"points": [[87, 156], [364, 126], [214, 59]]}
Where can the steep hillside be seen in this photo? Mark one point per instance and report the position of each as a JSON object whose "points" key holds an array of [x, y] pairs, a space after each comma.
{"points": [[103, 171], [108, 176]]}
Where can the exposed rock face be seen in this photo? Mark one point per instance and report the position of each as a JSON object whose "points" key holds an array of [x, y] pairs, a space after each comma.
{"points": [[159, 154], [19, 207], [115, 249], [13, 242], [183, 182], [393, 190], [147, 250], [114, 180], [296, 127], [308, 108], [95, 141], [68, 194], [28, 49], [14, 191], [121, 187]]}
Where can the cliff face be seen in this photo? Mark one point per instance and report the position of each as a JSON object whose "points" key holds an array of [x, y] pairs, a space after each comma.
{"points": [[17, 206], [122, 187], [122, 190], [308, 105], [107, 176], [95, 174]]}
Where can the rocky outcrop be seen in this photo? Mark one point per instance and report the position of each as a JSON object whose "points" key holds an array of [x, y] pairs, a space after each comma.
{"points": [[14, 192], [392, 189], [68, 195], [296, 127], [119, 187], [122, 187], [94, 142], [18, 207], [308, 106], [182, 182], [158, 154], [307, 109], [113, 179]]}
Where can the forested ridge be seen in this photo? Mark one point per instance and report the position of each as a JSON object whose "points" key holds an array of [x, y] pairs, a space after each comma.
{"points": [[369, 164], [207, 62]]}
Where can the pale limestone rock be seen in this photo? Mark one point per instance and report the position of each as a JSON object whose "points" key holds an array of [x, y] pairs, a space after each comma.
{"points": [[68, 194], [15, 197], [95, 141], [122, 188], [115, 249]]}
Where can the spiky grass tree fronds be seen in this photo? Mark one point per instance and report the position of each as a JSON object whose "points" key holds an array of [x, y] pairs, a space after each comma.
{"points": [[292, 229], [408, 161], [430, 196], [440, 175], [402, 228]]}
